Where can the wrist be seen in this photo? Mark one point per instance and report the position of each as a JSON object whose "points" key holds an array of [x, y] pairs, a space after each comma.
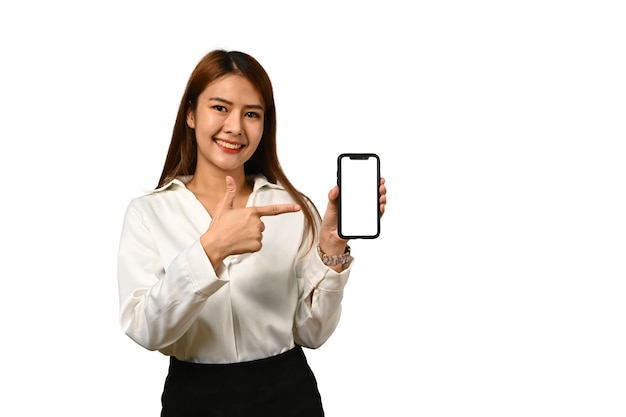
{"points": [[331, 244], [211, 249]]}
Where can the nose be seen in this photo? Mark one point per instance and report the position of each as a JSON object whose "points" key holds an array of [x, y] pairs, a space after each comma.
{"points": [[232, 124]]}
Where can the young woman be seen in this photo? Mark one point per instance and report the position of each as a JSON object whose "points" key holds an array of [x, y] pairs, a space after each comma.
{"points": [[220, 267]]}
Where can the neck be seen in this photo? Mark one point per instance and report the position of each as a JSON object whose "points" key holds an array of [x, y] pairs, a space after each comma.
{"points": [[214, 184]]}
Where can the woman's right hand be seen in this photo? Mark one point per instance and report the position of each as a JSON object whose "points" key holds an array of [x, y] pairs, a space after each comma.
{"points": [[235, 231]]}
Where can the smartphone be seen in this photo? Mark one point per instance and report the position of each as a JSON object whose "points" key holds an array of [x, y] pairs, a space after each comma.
{"points": [[358, 178]]}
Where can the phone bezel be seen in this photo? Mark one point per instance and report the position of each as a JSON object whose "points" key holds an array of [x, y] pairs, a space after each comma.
{"points": [[352, 155]]}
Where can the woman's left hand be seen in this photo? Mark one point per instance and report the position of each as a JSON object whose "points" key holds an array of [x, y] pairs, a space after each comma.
{"points": [[330, 242]]}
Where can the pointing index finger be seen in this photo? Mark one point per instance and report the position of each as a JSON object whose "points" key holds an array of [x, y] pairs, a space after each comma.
{"points": [[276, 209]]}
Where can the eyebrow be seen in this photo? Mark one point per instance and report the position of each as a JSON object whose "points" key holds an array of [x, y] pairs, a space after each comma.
{"points": [[249, 106]]}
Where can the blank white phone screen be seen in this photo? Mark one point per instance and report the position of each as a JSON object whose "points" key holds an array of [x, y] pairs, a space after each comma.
{"points": [[358, 203]]}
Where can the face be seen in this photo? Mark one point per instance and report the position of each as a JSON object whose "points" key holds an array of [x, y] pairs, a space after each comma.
{"points": [[228, 122]]}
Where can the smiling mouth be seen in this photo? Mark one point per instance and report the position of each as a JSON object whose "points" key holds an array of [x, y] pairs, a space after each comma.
{"points": [[229, 145]]}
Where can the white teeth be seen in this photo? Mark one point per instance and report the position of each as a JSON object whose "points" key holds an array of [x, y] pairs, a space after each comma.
{"points": [[227, 145]]}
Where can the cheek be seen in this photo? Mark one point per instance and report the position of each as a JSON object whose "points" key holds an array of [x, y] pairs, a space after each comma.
{"points": [[255, 132], [254, 143], [260, 131]]}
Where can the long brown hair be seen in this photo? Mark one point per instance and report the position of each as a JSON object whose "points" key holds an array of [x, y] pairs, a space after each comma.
{"points": [[182, 154]]}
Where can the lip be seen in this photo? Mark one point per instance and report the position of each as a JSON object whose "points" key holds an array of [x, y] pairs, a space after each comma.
{"points": [[229, 146]]}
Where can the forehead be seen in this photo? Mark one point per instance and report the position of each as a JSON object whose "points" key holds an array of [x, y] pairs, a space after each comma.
{"points": [[233, 87]]}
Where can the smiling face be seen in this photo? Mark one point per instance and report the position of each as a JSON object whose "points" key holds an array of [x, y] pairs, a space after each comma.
{"points": [[228, 124]]}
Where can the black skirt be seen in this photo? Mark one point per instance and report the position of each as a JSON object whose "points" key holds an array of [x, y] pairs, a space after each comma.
{"points": [[282, 385]]}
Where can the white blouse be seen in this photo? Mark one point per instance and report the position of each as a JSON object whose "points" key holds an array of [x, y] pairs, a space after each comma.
{"points": [[253, 306]]}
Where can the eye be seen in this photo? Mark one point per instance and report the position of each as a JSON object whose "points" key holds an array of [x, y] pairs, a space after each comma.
{"points": [[253, 115], [219, 108]]}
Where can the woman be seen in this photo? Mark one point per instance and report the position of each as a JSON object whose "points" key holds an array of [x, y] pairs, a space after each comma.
{"points": [[220, 267]]}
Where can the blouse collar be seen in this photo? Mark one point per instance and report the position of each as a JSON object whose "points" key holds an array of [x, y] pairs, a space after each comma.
{"points": [[260, 181]]}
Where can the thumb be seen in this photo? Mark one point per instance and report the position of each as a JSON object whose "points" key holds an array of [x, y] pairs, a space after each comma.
{"points": [[333, 196], [231, 192]]}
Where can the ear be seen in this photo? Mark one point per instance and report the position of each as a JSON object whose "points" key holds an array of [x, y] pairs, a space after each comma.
{"points": [[191, 120]]}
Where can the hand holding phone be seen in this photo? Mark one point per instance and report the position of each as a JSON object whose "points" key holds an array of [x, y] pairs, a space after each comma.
{"points": [[358, 178]]}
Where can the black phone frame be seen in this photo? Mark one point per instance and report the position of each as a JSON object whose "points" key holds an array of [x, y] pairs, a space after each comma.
{"points": [[357, 155]]}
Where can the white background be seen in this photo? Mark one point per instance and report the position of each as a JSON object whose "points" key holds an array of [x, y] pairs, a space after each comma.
{"points": [[497, 286]]}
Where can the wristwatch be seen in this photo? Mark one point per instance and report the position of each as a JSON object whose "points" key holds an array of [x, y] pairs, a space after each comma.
{"points": [[332, 260]]}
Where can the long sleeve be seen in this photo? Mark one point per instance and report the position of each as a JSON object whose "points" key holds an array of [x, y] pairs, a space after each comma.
{"points": [[158, 302], [319, 304]]}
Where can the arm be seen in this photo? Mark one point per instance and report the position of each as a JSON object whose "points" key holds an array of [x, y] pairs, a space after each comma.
{"points": [[320, 287], [158, 304]]}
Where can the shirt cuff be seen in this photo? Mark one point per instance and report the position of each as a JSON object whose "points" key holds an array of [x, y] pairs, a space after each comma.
{"points": [[325, 278]]}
